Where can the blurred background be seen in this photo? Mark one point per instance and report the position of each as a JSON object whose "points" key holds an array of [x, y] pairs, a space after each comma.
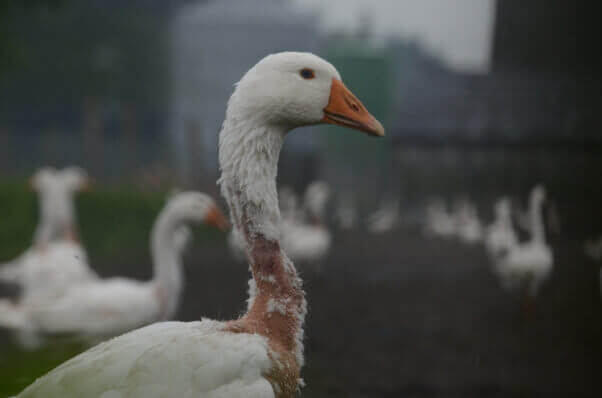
{"points": [[480, 99]]}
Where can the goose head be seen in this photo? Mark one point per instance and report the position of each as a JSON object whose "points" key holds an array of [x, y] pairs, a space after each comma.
{"points": [[293, 89], [194, 207], [43, 179]]}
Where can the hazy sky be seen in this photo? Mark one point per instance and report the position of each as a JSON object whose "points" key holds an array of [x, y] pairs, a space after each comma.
{"points": [[459, 31]]}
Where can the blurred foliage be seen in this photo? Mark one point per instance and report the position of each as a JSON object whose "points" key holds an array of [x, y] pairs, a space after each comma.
{"points": [[9, 45], [113, 222], [367, 72], [57, 53]]}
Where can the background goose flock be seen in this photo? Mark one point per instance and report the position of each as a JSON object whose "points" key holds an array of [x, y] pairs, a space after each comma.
{"points": [[239, 224]]}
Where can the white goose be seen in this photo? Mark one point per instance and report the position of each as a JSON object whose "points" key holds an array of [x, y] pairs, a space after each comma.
{"points": [[56, 259], [500, 236], [105, 307], [526, 266], [260, 354]]}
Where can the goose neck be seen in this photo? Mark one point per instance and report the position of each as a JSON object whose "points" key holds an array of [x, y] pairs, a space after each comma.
{"points": [[536, 220], [166, 259], [248, 155]]}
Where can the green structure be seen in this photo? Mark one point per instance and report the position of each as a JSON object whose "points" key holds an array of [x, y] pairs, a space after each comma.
{"points": [[366, 71]]}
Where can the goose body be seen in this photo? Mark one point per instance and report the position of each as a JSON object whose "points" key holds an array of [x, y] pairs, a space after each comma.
{"points": [[167, 359], [101, 308], [527, 265], [46, 274], [105, 307], [259, 354]]}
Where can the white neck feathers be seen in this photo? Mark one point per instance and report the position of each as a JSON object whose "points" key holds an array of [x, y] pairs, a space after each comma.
{"points": [[248, 155], [166, 259]]}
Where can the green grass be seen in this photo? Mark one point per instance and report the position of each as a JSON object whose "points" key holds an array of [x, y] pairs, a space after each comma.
{"points": [[18, 213], [19, 368]]}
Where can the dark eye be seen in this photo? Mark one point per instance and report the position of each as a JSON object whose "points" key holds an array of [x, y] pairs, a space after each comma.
{"points": [[307, 73]]}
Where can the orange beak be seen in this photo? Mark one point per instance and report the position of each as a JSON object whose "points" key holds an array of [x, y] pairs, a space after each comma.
{"points": [[344, 109], [215, 218]]}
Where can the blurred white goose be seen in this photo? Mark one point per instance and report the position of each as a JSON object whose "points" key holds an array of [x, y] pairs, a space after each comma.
{"points": [[308, 239], [260, 354], [468, 225], [56, 259], [527, 265], [385, 218], [500, 236], [438, 221], [105, 307]]}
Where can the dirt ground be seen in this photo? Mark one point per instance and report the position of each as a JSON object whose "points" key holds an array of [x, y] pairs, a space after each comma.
{"points": [[397, 315]]}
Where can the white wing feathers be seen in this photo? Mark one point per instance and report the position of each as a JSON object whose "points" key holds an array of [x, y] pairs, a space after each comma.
{"points": [[168, 359]]}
